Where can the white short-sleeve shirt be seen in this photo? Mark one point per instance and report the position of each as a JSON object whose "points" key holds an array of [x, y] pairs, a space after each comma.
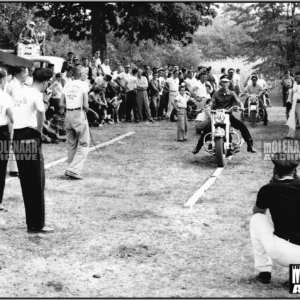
{"points": [[181, 101], [173, 84], [26, 107], [5, 103], [73, 92], [124, 77], [106, 69]]}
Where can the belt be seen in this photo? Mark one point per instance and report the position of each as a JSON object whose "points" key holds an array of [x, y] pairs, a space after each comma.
{"points": [[293, 241], [70, 109], [173, 91], [141, 90], [181, 108]]}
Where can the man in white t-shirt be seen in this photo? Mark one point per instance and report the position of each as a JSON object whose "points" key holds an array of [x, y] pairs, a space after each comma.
{"points": [[131, 95], [121, 80], [105, 68], [29, 114], [201, 90], [172, 85], [15, 89], [75, 99], [6, 114]]}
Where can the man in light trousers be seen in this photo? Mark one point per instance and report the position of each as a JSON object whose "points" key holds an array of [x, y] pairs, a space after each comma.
{"points": [[75, 99]]}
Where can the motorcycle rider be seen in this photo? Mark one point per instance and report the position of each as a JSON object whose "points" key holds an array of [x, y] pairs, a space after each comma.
{"points": [[254, 88], [224, 99]]}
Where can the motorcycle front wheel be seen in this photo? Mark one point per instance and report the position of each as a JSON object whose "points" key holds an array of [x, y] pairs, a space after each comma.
{"points": [[253, 118], [220, 152]]}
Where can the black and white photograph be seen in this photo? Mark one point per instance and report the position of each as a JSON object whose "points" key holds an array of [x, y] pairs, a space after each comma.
{"points": [[149, 149]]}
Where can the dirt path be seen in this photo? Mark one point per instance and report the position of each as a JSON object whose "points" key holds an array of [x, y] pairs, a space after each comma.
{"points": [[123, 232]]}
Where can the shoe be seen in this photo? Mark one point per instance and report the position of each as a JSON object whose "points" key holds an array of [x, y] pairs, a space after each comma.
{"points": [[180, 140], [62, 140], [14, 174], [151, 120], [264, 277], [266, 123], [45, 229], [3, 209], [185, 140], [195, 151], [136, 121], [73, 175], [251, 149]]}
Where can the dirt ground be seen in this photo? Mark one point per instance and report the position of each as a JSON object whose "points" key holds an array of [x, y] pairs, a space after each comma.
{"points": [[123, 230]]}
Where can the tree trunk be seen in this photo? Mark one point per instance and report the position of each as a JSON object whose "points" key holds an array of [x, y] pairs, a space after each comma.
{"points": [[99, 29]]}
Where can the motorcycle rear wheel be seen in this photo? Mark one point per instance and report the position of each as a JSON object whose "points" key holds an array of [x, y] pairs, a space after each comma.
{"points": [[253, 118], [220, 152]]}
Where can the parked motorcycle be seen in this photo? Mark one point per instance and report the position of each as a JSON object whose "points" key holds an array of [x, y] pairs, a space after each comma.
{"points": [[253, 111], [223, 140]]}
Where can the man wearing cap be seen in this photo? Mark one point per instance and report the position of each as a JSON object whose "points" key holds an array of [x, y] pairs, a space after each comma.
{"points": [[68, 62], [27, 35], [75, 100], [277, 238], [225, 99], [76, 62], [255, 89]]}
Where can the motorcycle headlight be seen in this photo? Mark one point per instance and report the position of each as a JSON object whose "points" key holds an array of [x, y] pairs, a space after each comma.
{"points": [[219, 118]]}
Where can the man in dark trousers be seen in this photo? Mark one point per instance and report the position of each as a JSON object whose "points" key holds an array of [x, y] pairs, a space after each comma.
{"points": [[6, 104], [277, 238], [28, 112], [225, 99]]}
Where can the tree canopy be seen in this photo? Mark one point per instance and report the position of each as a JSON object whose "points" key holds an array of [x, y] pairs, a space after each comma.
{"points": [[136, 21], [274, 30]]}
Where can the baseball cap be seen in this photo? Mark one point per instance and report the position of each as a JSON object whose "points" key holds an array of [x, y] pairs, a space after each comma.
{"points": [[282, 164], [127, 66], [70, 53], [32, 23], [75, 58], [231, 70], [254, 76], [224, 78]]}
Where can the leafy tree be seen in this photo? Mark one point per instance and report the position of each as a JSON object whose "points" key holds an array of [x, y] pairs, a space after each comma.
{"points": [[274, 29], [13, 17], [136, 21], [221, 39]]}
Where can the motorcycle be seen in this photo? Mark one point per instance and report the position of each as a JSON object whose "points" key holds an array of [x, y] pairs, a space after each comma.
{"points": [[253, 111], [223, 140]]}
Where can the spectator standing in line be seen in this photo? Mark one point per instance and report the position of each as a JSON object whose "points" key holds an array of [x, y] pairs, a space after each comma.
{"points": [[68, 62], [76, 62], [202, 90], [180, 105], [131, 99], [29, 114], [162, 81], [121, 80], [75, 100], [68, 77], [237, 82], [172, 85], [57, 89], [277, 238], [142, 97], [6, 106], [94, 70], [105, 68], [155, 89], [287, 83]]}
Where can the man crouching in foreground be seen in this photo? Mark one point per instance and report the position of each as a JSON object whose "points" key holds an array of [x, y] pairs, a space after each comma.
{"points": [[277, 239]]}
